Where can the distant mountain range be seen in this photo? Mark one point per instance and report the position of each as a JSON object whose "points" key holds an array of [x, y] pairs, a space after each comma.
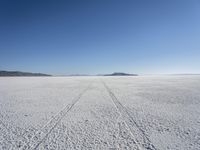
{"points": [[120, 74], [19, 73]]}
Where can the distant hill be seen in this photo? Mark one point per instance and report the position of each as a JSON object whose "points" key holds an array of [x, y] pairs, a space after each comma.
{"points": [[19, 73], [120, 74]]}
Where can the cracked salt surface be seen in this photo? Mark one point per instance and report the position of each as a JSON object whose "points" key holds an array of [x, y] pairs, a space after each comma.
{"points": [[144, 112]]}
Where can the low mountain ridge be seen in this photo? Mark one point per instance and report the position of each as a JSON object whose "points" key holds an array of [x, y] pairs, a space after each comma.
{"points": [[19, 73], [120, 74]]}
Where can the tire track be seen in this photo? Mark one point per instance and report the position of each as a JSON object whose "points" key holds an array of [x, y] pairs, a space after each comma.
{"points": [[141, 139], [41, 134]]}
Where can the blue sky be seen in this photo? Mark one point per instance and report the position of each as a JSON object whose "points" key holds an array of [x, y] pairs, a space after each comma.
{"points": [[92, 37]]}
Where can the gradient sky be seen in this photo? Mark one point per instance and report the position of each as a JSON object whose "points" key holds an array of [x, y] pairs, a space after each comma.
{"points": [[104, 36]]}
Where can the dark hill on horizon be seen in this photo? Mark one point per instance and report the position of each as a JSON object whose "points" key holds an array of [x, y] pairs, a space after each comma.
{"points": [[19, 73], [120, 74]]}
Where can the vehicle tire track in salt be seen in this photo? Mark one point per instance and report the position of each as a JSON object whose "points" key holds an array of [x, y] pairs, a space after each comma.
{"points": [[141, 139], [41, 135]]}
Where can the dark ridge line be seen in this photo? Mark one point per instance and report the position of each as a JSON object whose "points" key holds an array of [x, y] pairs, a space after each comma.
{"points": [[20, 74]]}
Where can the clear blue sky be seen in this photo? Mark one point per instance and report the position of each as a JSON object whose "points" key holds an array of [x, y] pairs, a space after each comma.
{"points": [[91, 37]]}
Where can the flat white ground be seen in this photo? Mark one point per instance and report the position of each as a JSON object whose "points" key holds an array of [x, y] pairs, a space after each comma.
{"points": [[144, 112]]}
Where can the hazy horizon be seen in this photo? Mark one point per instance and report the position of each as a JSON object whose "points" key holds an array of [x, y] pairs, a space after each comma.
{"points": [[100, 37]]}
